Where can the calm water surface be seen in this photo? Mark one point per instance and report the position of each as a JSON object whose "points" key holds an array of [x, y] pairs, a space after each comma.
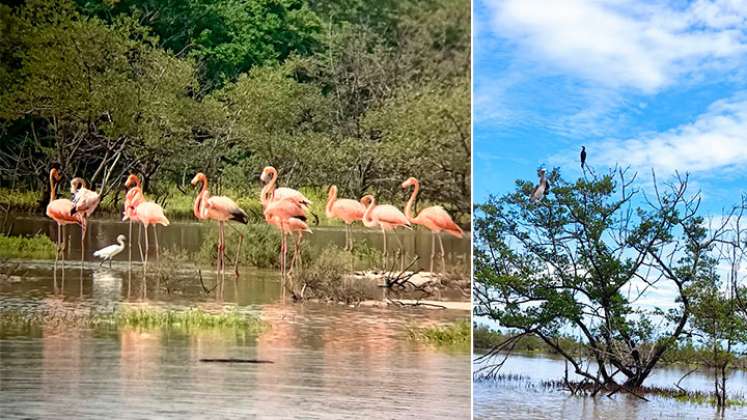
{"points": [[189, 236], [525, 399], [328, 360]]}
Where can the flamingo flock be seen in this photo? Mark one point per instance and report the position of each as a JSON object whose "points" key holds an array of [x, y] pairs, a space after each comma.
{"points": [[284, 208]]}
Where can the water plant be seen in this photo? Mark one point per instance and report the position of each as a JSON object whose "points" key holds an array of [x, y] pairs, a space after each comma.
{"points": [[324, 278], [34, 247], [455, 334], [186, 319]]}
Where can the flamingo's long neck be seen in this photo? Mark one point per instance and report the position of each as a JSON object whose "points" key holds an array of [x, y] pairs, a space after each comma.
{"points": [[52, 189], [200, 199], [269, 188], [367, 221], [273, 180], [330, 200], [411, 201], [264, 195]]}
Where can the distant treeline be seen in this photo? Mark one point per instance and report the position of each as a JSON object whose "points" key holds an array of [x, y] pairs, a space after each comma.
{"points": [[356, 93], [686, 353]]}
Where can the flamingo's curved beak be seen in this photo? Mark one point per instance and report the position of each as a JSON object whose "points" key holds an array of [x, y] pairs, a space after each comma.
{"points": [[264, 177], [195, 180]]}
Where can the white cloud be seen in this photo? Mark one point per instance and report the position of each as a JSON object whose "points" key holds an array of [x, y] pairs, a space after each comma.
{"points": [[717, 139], [625, 43]]}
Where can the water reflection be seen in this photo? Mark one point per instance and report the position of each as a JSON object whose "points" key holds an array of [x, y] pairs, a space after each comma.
{"points": [[189, 236], [331, 360], [524, 398]]}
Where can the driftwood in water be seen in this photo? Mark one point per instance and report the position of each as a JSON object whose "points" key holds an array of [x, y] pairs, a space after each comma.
{"points": [[234, 360]]}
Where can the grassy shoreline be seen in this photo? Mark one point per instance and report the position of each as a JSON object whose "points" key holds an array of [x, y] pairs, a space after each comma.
{"points": [[685, 354]]}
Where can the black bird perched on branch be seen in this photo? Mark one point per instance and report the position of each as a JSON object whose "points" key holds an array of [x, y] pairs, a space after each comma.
{"points": [[583, 156]]}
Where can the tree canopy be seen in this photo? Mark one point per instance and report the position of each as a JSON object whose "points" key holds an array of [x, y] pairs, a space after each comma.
{"points": [[582, 260], [328, 92]]}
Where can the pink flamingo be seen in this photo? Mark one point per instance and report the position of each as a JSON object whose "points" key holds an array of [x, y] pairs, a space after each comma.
{"points": [[148, 213], [270, 176], [384, 216], [271, 194], [84, 203], [221, 209], [345, 209], [289, 216], [58, 210], [133, 198], [435, 219]]}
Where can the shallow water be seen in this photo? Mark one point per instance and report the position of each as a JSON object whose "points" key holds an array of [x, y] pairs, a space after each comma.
{"points": [[523, 397], [328, 360], [189, 236]]}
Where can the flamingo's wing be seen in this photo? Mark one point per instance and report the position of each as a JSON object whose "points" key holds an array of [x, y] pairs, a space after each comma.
{"points": [[389, 214], [285, 208], [151, 213], [284, 193], [85, 201], [441, 218], [348, 209], [227, 209], [59, 210]]}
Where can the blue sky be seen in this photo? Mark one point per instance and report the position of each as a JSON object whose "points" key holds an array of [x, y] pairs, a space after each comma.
{"points": [[658, 85]]}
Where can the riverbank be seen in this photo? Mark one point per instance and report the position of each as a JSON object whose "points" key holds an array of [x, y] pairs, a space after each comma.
{"points": [[683, 354]]}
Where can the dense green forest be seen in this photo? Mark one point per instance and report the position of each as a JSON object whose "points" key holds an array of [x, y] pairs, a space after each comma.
{"points": [[359, 94]]}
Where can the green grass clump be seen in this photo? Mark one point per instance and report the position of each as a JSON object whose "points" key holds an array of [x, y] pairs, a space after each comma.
{"points": [[34, 247], [260, 248], [456, 334], [143, 317], [181, 319], [324, 278]]}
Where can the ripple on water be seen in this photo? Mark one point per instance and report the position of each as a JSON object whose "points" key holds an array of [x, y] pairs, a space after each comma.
{"points": [[329, 360]]}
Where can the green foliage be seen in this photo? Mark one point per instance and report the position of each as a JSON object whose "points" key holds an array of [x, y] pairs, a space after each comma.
{"points": [[349, 93], [189, 319], [324, 278], [456, 334], [143, 317], [35, 247], [225, 38], [569, 261], [260, 248]]}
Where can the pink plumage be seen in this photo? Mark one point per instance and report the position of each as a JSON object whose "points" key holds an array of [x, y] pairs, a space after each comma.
{"points": [[384, 216], [269, 192], [280, 212], [437, 220], [345, 209], [149, 213], [133, 198], [85, 201], [219, 208], [59, 211]]}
